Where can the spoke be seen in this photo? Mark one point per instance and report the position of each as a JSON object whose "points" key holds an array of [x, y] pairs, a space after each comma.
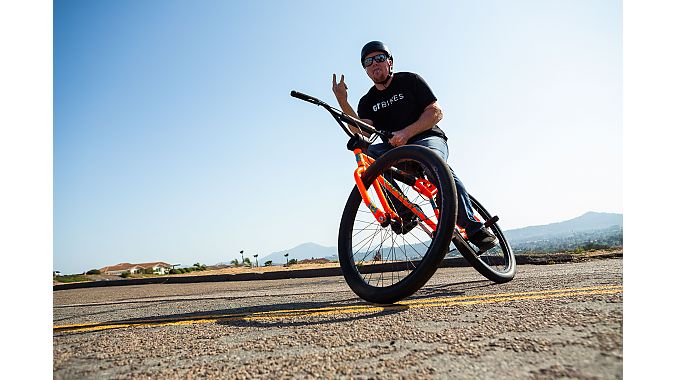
{"points": [[367, 249], [367, 227], [393, 252], [409, 263], [420, 241], [363, 240], [373, 236], [413, 248], [379, 249]]}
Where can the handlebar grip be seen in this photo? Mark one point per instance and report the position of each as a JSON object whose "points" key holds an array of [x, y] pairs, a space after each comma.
{"points": [[305, 97]]}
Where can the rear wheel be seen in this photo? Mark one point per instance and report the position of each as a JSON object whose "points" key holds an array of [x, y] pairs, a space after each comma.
{"points": [[380, 262], [498, 263]]}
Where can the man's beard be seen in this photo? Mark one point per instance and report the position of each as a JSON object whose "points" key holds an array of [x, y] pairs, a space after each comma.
{"points": [[383, 77], [380, 76]]}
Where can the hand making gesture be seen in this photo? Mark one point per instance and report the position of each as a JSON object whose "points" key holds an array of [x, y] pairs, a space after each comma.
{"points": [[340, 89]]}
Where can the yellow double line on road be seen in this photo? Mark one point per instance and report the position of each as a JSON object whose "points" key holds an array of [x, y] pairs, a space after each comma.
{"points": [[341, 310]]}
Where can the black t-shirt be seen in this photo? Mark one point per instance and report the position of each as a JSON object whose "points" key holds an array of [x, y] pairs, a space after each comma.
{"points": [[399, 105]]}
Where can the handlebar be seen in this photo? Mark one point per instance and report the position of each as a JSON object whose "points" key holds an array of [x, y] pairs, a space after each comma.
{"points": [[341, 116]]}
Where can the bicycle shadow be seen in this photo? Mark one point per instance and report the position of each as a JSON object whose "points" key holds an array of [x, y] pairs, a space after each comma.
{"points": [[456, 289], [270, 315], [297, 314], [310, 317], [369, 310]]}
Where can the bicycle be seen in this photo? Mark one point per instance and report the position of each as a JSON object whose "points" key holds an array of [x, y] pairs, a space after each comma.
{"points": [[400, 219]]}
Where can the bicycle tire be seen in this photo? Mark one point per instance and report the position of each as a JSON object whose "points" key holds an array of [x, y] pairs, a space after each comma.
{"points": [[497, 264], [412, 272]]}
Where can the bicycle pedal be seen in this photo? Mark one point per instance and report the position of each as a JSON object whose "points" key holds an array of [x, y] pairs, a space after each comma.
{"points": [[490, 222]]}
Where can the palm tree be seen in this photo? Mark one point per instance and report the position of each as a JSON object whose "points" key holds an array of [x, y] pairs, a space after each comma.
{"points": [[242, 253], [256, 257], [287, 258]]}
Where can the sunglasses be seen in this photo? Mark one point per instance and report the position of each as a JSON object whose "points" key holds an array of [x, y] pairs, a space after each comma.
{"points": [[378, 58]]}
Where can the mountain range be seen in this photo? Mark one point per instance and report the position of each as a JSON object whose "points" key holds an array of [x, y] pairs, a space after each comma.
{"points": [[588, 222], [303, 251]]}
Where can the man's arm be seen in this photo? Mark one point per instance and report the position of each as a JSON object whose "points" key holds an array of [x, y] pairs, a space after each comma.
{"points": [[340, 91], [428, 119]]}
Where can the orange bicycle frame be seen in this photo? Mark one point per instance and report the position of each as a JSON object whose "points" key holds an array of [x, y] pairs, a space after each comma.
{"points": [[422, 186]]}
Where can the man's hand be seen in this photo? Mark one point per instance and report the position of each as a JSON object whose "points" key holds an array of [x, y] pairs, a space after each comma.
{"points": [[430, 116], [340, 89], [399, 138]]}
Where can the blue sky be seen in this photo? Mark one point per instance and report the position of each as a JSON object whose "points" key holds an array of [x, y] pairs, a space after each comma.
{"points": [[175, 138]]}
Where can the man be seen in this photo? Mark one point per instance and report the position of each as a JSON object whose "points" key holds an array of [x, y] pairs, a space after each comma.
{"points": [[403, 104]]}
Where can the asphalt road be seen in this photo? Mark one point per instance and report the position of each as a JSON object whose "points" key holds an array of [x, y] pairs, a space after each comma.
{"points": [[551, 321]]}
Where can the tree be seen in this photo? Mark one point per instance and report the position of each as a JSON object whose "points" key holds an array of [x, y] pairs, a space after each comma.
{"points": [[94, 271], [287, 258], [199, 266], [268, 263], [256, 257], [292, 262], [235, 262], [246, 262]]}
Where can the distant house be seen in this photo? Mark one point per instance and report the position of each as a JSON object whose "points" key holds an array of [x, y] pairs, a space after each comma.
{"points": [[158, 267], [121, 268]]}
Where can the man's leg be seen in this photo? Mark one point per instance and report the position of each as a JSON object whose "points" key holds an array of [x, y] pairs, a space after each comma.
{"points": [[477, 234], [466, 218], [377, 150]]}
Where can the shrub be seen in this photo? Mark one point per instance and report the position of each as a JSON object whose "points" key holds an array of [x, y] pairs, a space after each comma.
{"points": [[125, 274], [293, 261], [174, 271], [94, 271], [71, 278], [268, 263]]}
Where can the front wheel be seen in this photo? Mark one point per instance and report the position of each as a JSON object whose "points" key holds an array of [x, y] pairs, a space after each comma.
{"points": [[498, 263], [383, 262]]}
